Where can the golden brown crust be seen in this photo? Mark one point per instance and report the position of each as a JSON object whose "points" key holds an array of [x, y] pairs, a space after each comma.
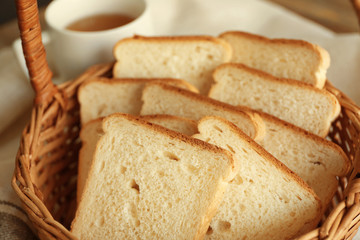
{"points": [[259, 125], [266, 155], [170, 133], [162, 39], [167, 116], [305, 134], [181, 39], [207, 38], [104, 80], [223, 106], [295, 42], [285, 81], [289, 82]]}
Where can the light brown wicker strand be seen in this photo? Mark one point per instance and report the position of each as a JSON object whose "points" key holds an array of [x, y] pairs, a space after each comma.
{"points": [[346, 222], [344, 100], [335, 225], [331, 219], [59, 226], [28, 138], [27, 141], [351, 236], [356, 4], [24, 161], [357, 156], [353, 188], [355, 225], [34, 51], [31, 198], [98, 70], [35, 135], [52, 110]]}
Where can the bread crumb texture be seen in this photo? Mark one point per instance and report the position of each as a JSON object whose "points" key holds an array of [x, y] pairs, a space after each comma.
{"points": [[147, 182], [264, 200], [190, 58]]}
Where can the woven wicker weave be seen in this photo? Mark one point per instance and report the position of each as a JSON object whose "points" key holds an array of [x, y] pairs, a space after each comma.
{"points": [[46, 163]]}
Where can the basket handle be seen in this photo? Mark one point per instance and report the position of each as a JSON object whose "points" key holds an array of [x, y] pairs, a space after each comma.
{"points": [[356, 5], [34, 51]]}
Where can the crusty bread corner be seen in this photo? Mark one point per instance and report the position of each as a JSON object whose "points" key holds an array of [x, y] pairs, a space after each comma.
{"points": [[318, 72], [259, 123], [112, 163]]}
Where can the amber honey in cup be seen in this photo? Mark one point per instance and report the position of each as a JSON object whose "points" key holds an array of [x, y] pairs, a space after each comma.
{"points": [[99, 22]]}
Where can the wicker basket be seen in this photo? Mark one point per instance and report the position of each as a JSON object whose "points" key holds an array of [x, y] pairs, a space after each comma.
{"points": [[46, 164]]}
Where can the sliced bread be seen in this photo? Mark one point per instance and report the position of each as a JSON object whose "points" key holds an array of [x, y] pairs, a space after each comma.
{"points": [[316, 160], [152, 183], [90, 134], [92, 131], [178, 124], [284, 58], [100, 97], [192, 58], [293, 101], [265, 200], [162, 99]]}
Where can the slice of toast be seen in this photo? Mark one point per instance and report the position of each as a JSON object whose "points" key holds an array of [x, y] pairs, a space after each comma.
{"points": [[315, 159], [192, 58], [293, 101], [90, 134], [162, 99], [283, 58], [265, 200], [92, 131], [152, 183], [100, 97]]}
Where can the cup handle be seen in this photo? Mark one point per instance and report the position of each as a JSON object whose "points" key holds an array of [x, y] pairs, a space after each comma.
{"points": [[17, 48]]}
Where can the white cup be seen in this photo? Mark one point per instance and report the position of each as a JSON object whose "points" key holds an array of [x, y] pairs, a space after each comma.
{"points": [[71, 52]]}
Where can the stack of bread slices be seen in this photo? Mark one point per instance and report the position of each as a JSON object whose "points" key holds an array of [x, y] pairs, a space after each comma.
{"points": [[207, 138]]}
